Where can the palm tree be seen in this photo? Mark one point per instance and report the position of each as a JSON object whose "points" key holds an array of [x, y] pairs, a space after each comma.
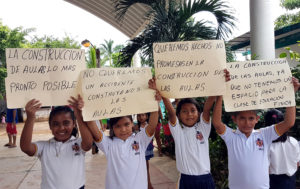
{"points": [[171, 20], [107, 50]]}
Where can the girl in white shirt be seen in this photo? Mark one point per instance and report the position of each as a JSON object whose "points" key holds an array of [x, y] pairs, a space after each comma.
{"points": [[190, 129], [284, 156], [62, 157], [125, 151]]}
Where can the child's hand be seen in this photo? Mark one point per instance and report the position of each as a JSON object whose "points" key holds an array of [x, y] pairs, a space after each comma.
{"points": [[77, 104], [152, 84], [296, 84], [158, 96], [31, 107], [226, 75]]}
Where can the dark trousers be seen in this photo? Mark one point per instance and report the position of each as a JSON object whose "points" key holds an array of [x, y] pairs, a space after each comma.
{"points": [[82, 187], [196, 182], [282, 181]]}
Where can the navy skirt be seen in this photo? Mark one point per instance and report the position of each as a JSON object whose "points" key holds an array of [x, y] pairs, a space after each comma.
{"points": [[196, 182], [282, 181]]}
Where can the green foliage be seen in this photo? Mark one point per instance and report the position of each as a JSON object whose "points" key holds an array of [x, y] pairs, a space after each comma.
{"points": [[172, 21], [219, 162], [287, 20], [3, 75], [52, 42], [11, 38], [293, 55], [290, 4], [108, 50], [91, 60], [15, 38]]}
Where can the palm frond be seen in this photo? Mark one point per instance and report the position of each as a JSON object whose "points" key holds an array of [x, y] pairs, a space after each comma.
{"points": [[174, 22], [122, 6]]}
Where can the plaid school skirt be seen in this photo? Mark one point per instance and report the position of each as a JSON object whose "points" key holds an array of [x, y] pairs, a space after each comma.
{"points": [[196, 182]]}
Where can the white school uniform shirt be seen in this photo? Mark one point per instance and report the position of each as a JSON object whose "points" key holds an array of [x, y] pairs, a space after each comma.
{"points": [[248, 161], [126, 163], [63, 165], [284, 157], [192, 153]]}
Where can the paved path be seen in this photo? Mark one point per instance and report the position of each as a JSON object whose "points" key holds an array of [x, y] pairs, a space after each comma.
{"points": [[19, 171]]}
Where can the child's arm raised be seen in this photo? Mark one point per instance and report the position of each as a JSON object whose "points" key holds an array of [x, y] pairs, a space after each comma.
{"points": [[169, 107], [207, 107], [153, 120], [89, 126], [290, 114], [26, 137], [217, 116], [210, 100], [87, 139]]}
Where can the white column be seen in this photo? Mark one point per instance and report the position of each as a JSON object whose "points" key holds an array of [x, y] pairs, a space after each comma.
{"points": [[137, 59], [262, 29]]}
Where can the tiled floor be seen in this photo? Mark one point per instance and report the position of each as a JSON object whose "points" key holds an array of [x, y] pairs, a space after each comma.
{"points": [[18, 171]]}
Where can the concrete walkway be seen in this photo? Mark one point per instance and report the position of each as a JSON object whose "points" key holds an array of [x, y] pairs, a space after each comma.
{"points": [[19, 171]]}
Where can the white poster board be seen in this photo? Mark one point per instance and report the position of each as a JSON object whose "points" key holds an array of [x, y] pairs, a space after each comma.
{"points": [[114, 92], [48, 75], [259, 84], [190, 68]]}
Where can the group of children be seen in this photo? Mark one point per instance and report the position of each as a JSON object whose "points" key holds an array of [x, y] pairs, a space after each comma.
{"points": [[125, 150]]}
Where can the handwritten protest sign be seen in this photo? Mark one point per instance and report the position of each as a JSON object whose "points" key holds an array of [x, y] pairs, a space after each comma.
{"points": [[190, 68], [114, 92], [259, 84], [49, 75]]}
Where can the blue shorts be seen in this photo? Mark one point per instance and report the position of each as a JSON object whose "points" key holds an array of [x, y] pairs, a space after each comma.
{"points": [[196, 182]]}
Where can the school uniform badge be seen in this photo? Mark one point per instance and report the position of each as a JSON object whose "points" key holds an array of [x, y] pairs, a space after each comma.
{"points": [[260, 144], [199, 136], [136, 147], [76, 148]]}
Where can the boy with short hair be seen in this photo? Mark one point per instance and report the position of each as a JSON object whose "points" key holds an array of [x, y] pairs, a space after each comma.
{"points": [[247, 148]]}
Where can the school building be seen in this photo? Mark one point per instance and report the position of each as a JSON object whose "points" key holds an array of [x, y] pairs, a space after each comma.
{"points": [[284, 37]]}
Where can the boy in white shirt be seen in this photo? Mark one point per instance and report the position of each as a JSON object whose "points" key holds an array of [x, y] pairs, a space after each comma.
{"points": [[248, 149]]}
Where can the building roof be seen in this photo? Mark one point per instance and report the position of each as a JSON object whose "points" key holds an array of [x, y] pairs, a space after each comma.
{"points": [[133, 22], [283, 37]]}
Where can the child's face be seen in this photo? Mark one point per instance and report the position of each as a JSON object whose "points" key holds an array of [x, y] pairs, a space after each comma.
{"points": [[189, 114], [142, 118], [246, 121], [123, 128], [61, 126]]}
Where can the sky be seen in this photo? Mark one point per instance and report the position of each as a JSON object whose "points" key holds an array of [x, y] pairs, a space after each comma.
{"points": [[58, 18]]}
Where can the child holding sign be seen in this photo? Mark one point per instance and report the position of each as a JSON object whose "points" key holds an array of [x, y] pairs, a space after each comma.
{"points": [[190, 129], [248, 149], [62, 157], [125, 151]]}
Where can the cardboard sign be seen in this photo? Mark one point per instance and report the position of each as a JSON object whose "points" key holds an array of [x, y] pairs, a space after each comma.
{"points": [[48, 75], [190, 68], [114, 92], [259, 84]]}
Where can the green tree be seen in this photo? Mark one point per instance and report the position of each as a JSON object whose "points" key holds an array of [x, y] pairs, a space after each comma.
{"points": [[11, 38], [290, 4], [15, 38], [107, 50], [288, 19], [53, 42], [172, 21]]}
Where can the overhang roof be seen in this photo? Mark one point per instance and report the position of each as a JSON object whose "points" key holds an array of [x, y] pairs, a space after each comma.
{"points": [[133, 22], [283, 37]]}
